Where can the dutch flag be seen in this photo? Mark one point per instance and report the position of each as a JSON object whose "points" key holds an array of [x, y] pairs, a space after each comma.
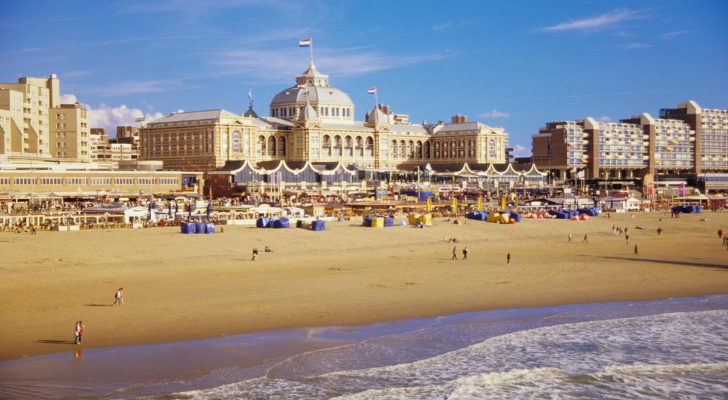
{"points": [[304, 43], [301, 85], [372, 90]]}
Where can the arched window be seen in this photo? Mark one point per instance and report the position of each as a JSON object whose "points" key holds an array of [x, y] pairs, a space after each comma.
{"points": [[402, 149], [348, 146], [418, 150], [471, 148], [394, 148], [246, 144], [236, 141], [337, 146], [427, 149], [272, 146], [491, 148], [437, 149], [359, 149], [411, 150], [370, 146], [445, 150], [281, 146], [260, 148], [327, 146]]}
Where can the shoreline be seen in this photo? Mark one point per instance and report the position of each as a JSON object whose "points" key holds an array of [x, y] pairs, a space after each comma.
{"points": [[187, 287], [162, 369]]}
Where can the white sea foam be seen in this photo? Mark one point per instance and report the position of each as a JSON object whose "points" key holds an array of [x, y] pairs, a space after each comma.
{"points": [[673, 355]]}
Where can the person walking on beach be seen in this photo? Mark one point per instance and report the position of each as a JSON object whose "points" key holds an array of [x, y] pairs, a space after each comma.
{"points": [[465, 253], [635, 250], [586, 238], [659, 231], [720, 233], [255, 254], [569, 241], [508, 258], [117, 298], [626, 239], [76, 328], [79, 332], [455, 253]]}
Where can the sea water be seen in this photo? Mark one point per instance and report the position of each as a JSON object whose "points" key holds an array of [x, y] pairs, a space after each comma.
{"points": [[671, 349]]}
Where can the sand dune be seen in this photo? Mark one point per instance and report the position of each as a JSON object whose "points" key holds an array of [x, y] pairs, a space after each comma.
{"points": [[193, 286]]}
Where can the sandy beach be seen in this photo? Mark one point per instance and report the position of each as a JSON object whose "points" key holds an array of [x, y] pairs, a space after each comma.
{"points": [[180, 287]]}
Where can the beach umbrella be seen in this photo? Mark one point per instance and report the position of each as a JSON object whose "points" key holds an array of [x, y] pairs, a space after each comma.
{"points": [[189, 210], [208, 210], [169, 209], [149, 214], [176, 206]]}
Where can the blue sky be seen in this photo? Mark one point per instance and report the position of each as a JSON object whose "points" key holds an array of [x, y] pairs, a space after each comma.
{"points": [[511, 64]]}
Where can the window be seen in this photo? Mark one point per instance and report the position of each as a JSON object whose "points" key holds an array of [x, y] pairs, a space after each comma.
{"points": [[147, 181], [76, 181], [236, 141], [101, 181], [124, 181], [51, 181]]}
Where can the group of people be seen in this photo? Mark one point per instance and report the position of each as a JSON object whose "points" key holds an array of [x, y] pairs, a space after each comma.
{"points": [[255, 252]]}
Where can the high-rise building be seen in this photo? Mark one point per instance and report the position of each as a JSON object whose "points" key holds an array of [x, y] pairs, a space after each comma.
{"points": [[24, 111], [686, 141], [70, 132]]}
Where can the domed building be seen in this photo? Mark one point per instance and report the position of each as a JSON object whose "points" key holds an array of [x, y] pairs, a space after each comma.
{"points": [[313, 125], [312, 87]]}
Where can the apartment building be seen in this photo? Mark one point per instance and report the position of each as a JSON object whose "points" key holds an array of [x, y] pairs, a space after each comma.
{"points": [[70, 133], [24, 116]]}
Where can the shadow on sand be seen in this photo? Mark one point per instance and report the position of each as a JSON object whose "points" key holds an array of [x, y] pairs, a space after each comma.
{"points": [[48, 341], [690, 264], [99, 305]]}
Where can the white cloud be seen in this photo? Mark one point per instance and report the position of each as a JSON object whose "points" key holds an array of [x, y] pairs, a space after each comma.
{"points": [[604, 119], [68, 99], [601, 21], [521, 151], [671, 35], [494, 114], [110, 117], [280, 65], [635, 46], [135, 87]]}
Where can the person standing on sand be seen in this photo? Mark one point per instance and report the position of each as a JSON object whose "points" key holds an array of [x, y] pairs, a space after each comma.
{"points": [[76, 329], [454, 253], [586, 238], [569, 241], [508, 258], [659, 231], [255, 254], [626, 239], [635, 250], [720, 233], [465, 253], [117, 298]]}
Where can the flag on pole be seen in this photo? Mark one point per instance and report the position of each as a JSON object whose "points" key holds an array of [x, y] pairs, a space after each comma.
{"points": [[372, 90], [304, 43], [250, 94]]}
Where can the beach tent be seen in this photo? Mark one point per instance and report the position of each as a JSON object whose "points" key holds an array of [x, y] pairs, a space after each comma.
{"points": [[377, 222], [281, 223], [200, 227], [425, 219], [388, 221], [412, 219], [209, 228], [262, 222], [317, 225], [189, 227], [514, 216]]}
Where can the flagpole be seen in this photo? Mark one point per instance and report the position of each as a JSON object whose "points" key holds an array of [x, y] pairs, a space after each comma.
{"points": [[376, 101], [311, 49]]}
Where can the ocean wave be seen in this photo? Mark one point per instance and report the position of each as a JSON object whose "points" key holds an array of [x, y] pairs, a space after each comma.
{"points": [[655, 356]]}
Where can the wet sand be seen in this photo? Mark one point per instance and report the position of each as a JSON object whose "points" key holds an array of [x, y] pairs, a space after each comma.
{"points": [[180, 287]]}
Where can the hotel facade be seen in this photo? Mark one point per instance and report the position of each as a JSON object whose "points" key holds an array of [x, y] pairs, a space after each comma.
{"points": [[314, 122], [687, 141]]}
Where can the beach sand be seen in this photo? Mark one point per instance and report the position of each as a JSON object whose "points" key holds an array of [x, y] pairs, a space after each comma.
{"points": [[180, 287]]}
